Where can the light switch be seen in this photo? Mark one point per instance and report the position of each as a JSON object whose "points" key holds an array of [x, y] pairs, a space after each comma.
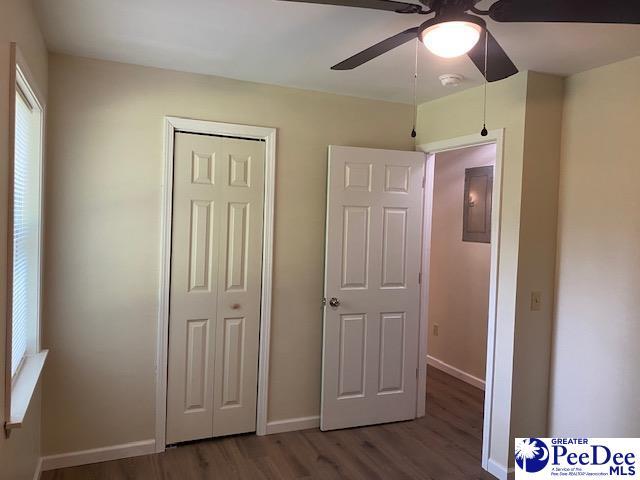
{"points": [[436, 329], [536, 301]]}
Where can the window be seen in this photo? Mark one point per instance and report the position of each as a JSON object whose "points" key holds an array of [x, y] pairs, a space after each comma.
{"points": [[27, 169], [25, 247]]}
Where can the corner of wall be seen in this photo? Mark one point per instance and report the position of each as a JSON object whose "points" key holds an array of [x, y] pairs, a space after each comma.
{"points": [[537, 254], [597, 257]]}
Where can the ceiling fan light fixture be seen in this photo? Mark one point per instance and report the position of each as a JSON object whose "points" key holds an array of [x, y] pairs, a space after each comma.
{"points": [[451, 39]]}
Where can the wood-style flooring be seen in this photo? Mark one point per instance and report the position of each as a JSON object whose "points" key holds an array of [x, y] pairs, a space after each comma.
{"points": [[444, 445]]}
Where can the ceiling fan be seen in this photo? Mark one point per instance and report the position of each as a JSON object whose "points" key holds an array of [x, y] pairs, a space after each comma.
{"points": [[453, 31]]}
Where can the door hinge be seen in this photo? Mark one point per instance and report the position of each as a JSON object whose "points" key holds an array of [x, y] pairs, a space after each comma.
{"points": [[419, 278], [424, 181], [417, 373]]}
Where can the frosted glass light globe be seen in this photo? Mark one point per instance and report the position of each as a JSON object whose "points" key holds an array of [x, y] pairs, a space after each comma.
{"points": [[451, 39]]}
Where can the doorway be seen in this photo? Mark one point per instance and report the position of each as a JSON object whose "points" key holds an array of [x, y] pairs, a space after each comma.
{"points": [[354, 186], [465, 274], [460, 263], [217, 250], [458, 296]]}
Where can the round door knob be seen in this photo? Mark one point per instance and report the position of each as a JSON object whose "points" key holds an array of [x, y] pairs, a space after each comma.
{"points": [[334, 302]]}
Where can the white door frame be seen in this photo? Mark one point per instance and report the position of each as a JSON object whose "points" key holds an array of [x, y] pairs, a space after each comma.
{"points": [[496, 137], [268, 135]]}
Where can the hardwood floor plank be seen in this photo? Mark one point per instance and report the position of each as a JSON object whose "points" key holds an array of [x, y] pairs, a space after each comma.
{"points": [[355, 460]]}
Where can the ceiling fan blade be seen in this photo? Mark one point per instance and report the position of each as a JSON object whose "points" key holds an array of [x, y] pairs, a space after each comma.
{"points": [[499, 65], [377, 50], [575, 11], [388, 5]]}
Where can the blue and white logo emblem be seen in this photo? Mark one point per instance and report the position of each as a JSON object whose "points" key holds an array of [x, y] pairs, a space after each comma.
{"points": [[532, 454]]}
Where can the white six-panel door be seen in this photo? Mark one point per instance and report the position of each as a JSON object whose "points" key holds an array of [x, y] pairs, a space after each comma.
{"points": [[371, 321], [216, 264]]}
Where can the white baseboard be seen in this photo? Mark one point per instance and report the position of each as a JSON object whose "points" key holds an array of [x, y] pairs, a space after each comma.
{"points": [[146, 447], [500, 471], [96, 455], [291, 424], [36, 475], [455, 372]]}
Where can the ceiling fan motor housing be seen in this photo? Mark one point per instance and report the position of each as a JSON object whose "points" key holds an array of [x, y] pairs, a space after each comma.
{"points": [[450, 6], [450, 16]]}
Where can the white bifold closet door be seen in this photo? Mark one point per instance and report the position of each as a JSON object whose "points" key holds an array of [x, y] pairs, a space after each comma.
{"points": [[371, 321], [216, 265]]}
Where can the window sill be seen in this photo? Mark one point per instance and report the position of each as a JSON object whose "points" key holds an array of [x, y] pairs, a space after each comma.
{"points": [[23, 387]]}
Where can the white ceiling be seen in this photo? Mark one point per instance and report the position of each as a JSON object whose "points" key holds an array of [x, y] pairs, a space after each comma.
{"points": [[295, 44]]}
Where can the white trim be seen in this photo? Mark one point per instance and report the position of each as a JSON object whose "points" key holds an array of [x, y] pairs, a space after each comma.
{"points": [[497, 137], [38, 472], [165, 282], [267, 281], [323, 368], [96, 455], [421, 405], [24, 385], [292, 424], [474, 140], [455, 372], [499, 471], [171, 125]]}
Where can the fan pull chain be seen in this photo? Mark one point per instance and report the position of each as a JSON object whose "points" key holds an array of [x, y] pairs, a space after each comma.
{"points": [[484, 132], [415, 93]]}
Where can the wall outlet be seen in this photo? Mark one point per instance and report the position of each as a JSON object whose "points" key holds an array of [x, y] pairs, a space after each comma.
{"points": [[436, 329], [536, 301]]}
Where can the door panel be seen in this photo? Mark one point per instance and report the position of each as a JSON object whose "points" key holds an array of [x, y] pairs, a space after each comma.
{"points": [[216, 266], [237, 329], [353, 340], [237, 246], [370, 343], [392, 341], [355, 247], [201, 245], [197, 359], [232, 358], [394, 247]]}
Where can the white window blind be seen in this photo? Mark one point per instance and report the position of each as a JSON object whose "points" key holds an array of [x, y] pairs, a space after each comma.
{"points": [[26, 234]]}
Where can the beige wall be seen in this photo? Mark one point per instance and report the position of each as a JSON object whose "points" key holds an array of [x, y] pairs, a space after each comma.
{"points": [[537, 254], [520, 105], [458, 271], [596, 351], [103, 234], [18, 454]]}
